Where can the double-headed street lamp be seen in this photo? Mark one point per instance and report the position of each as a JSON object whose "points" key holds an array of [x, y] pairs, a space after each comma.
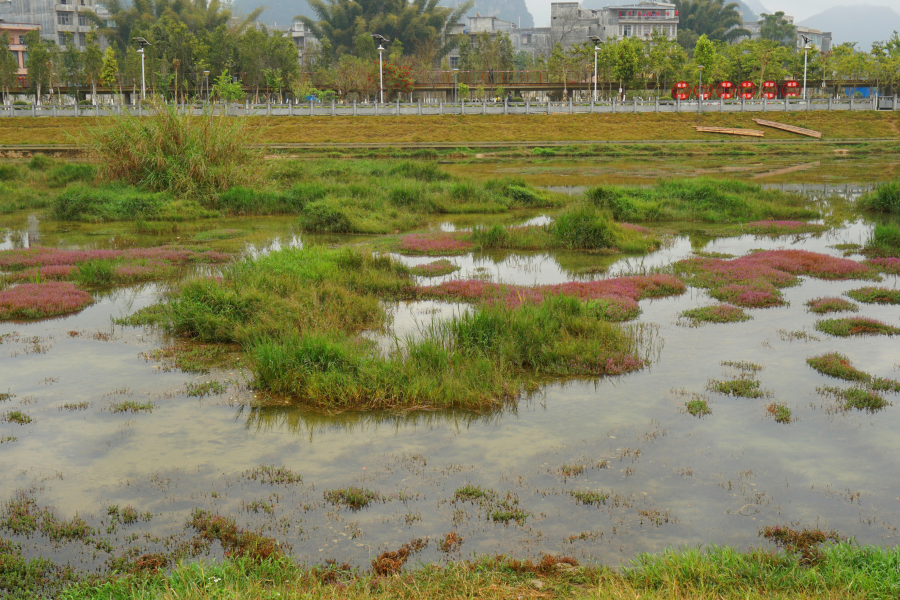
{"points": [[381, 41], [597, 41], [206, 75], [142, 43]]}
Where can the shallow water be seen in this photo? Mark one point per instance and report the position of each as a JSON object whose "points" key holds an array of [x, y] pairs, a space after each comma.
{"points": [[672, 479]]}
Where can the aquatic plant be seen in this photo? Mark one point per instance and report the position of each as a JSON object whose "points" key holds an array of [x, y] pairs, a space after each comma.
{"points": [[699, 199], [849, 326], [743, 387], [858, 398], [435, 244], [697, 406], [781, 227], [718, 313], [24, 258], [352, 497], [884, 241], [131, 406], [17, 417], [890, 265], [780, 411], [389, 563], [472, 493], [272, 475], [237, 543], [884, 198], [839, 366], [206, 388], [506, 513], [743, 365], [211, 235], [875, 295], [589, 497], [829, 304], [37, 300], [435, 268], [804, 543]]}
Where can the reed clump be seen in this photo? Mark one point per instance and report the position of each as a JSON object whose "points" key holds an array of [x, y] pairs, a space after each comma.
{"points": [[170, 151]]}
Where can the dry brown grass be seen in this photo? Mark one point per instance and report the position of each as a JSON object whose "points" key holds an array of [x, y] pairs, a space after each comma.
{"points": [[495, 128]]}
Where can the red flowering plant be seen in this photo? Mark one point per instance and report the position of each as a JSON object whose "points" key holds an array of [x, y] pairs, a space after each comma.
{"points": [[397, 78]]}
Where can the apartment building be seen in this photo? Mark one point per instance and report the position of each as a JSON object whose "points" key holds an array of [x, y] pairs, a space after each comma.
{"points": [[17, 32], [57, 19]]}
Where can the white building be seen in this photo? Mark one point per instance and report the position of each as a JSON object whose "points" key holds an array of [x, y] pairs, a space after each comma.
{"points": [[57, 18]]}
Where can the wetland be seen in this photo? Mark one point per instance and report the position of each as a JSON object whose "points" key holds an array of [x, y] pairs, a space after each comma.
{"points": [[386, 364]]}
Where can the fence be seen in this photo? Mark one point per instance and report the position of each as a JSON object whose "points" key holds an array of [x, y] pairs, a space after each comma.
{"points": [[474, 108]]}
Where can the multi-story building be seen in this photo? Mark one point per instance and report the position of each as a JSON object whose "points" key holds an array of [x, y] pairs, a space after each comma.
{"points": [[820, 40], [17, 32], [640, 20], [57, 19], [304, 39]]}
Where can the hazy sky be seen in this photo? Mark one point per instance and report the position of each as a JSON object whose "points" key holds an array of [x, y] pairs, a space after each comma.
{"points": [[799, 9]]}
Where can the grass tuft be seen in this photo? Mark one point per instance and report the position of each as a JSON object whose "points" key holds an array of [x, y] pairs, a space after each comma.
{"points": [[850, 326], [824, 305]]}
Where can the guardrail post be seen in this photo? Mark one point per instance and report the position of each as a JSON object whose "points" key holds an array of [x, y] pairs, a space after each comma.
{"points": [[54, 110], [614, 102], [829, 103], [462, 106], [483, 106], [332, 107], [548, 105], [312, 108], [376, 107], [527, 106], [656, 104], [440, 107], [592, 104], [570, 105], [765, 104], [635, 105], [894, 105], [677, 105], [787, 104], [246, 108], [268, 107], [34, 109], [505, 106], [419, 107], [398, 106], [354, 107], [851, 103]]}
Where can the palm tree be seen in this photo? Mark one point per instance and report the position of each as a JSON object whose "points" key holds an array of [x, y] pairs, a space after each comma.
{"points": [[414, 23], [719, 21]]}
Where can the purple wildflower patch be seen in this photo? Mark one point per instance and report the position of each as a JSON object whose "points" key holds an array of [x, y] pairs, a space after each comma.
{"points": [[890, 265], [828, 304], [36, 300]]}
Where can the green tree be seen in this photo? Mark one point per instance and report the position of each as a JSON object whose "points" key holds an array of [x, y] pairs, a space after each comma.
{"points": [[109, 72], [664, 59], [225, 89], [71, 62], [39, 63], [629, 60], [712, 18], [776, 28], [9, 66], [463, 91], [93, 63]]}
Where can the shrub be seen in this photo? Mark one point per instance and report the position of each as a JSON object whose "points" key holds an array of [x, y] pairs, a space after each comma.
{"points": [[169, 151], [582, 226], [884, 198], [8, 172], [67, 173]]}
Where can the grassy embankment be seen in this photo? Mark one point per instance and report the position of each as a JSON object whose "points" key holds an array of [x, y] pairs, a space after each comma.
{"points": [[843, 570], [462, 130]]}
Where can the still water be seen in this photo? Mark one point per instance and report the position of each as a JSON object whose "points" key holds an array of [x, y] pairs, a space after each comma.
{"points": [[671, 479]]}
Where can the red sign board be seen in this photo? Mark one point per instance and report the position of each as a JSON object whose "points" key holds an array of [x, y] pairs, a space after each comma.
{"points": [[681, 91]]}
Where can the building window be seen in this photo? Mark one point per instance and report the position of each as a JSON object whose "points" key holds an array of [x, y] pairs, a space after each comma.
{"points": [[454, 62], [526, 39], [83, 21], [63, 1], [21, 40], [626, 30], [82, 39], [61, 39], [63, 18]]}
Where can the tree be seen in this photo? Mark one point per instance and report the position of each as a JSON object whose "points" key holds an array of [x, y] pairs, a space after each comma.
{"points": [[9, 65], [776, 28], [225, 89], [39, 62], [93, 63], [342, 21], [713, 18], [71, 61], [664, 58], [629, 58], [109, 72]]}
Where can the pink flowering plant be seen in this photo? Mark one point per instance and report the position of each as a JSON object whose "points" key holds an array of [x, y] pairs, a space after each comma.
{"points": [[37, 300], [717, 313], [829, 304]]}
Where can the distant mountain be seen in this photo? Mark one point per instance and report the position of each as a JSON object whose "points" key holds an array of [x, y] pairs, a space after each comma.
{"points": [[861, 23], [278, 13], [282, 12]]}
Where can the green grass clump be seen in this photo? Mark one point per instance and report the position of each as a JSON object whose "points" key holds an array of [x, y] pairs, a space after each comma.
{"points": [[699, 199], [131, 406], [697, 407], [504, 514], [67, 173], [112, 203], [742, 387], [272, 475], [884, 240], [589, 497], [850, 326], [743, 365], [170, 151], [780, 411], [875, 295], [435, 268], [206, 388], [884, 198], [352, 497], [212, 235], [297, 313], [837, 365], [858, 398], [821, 306], [17, 417], [473, 493], [719, 313], [581, 226]]}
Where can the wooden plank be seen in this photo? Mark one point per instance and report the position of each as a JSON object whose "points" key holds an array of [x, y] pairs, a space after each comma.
{"points": [[791, 128], [731, 131]]}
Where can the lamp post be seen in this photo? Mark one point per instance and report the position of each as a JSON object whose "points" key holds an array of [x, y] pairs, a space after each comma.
{"points": [[700, 90], [806, 49], [597, 41], [206, 75], [381, 40], [142, 43]]}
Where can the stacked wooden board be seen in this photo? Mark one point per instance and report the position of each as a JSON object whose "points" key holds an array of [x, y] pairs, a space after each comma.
{"points": [[731, 131], [791, 128]]}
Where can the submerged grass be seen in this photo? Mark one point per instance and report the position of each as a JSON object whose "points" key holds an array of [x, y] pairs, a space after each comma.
{"points": [[859, 398]]}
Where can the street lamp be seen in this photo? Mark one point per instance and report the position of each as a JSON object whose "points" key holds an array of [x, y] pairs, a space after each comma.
{"points": [[597, 41], [206, 74], [700, 90], [806, 49], [142, 43], [381, 41]]}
